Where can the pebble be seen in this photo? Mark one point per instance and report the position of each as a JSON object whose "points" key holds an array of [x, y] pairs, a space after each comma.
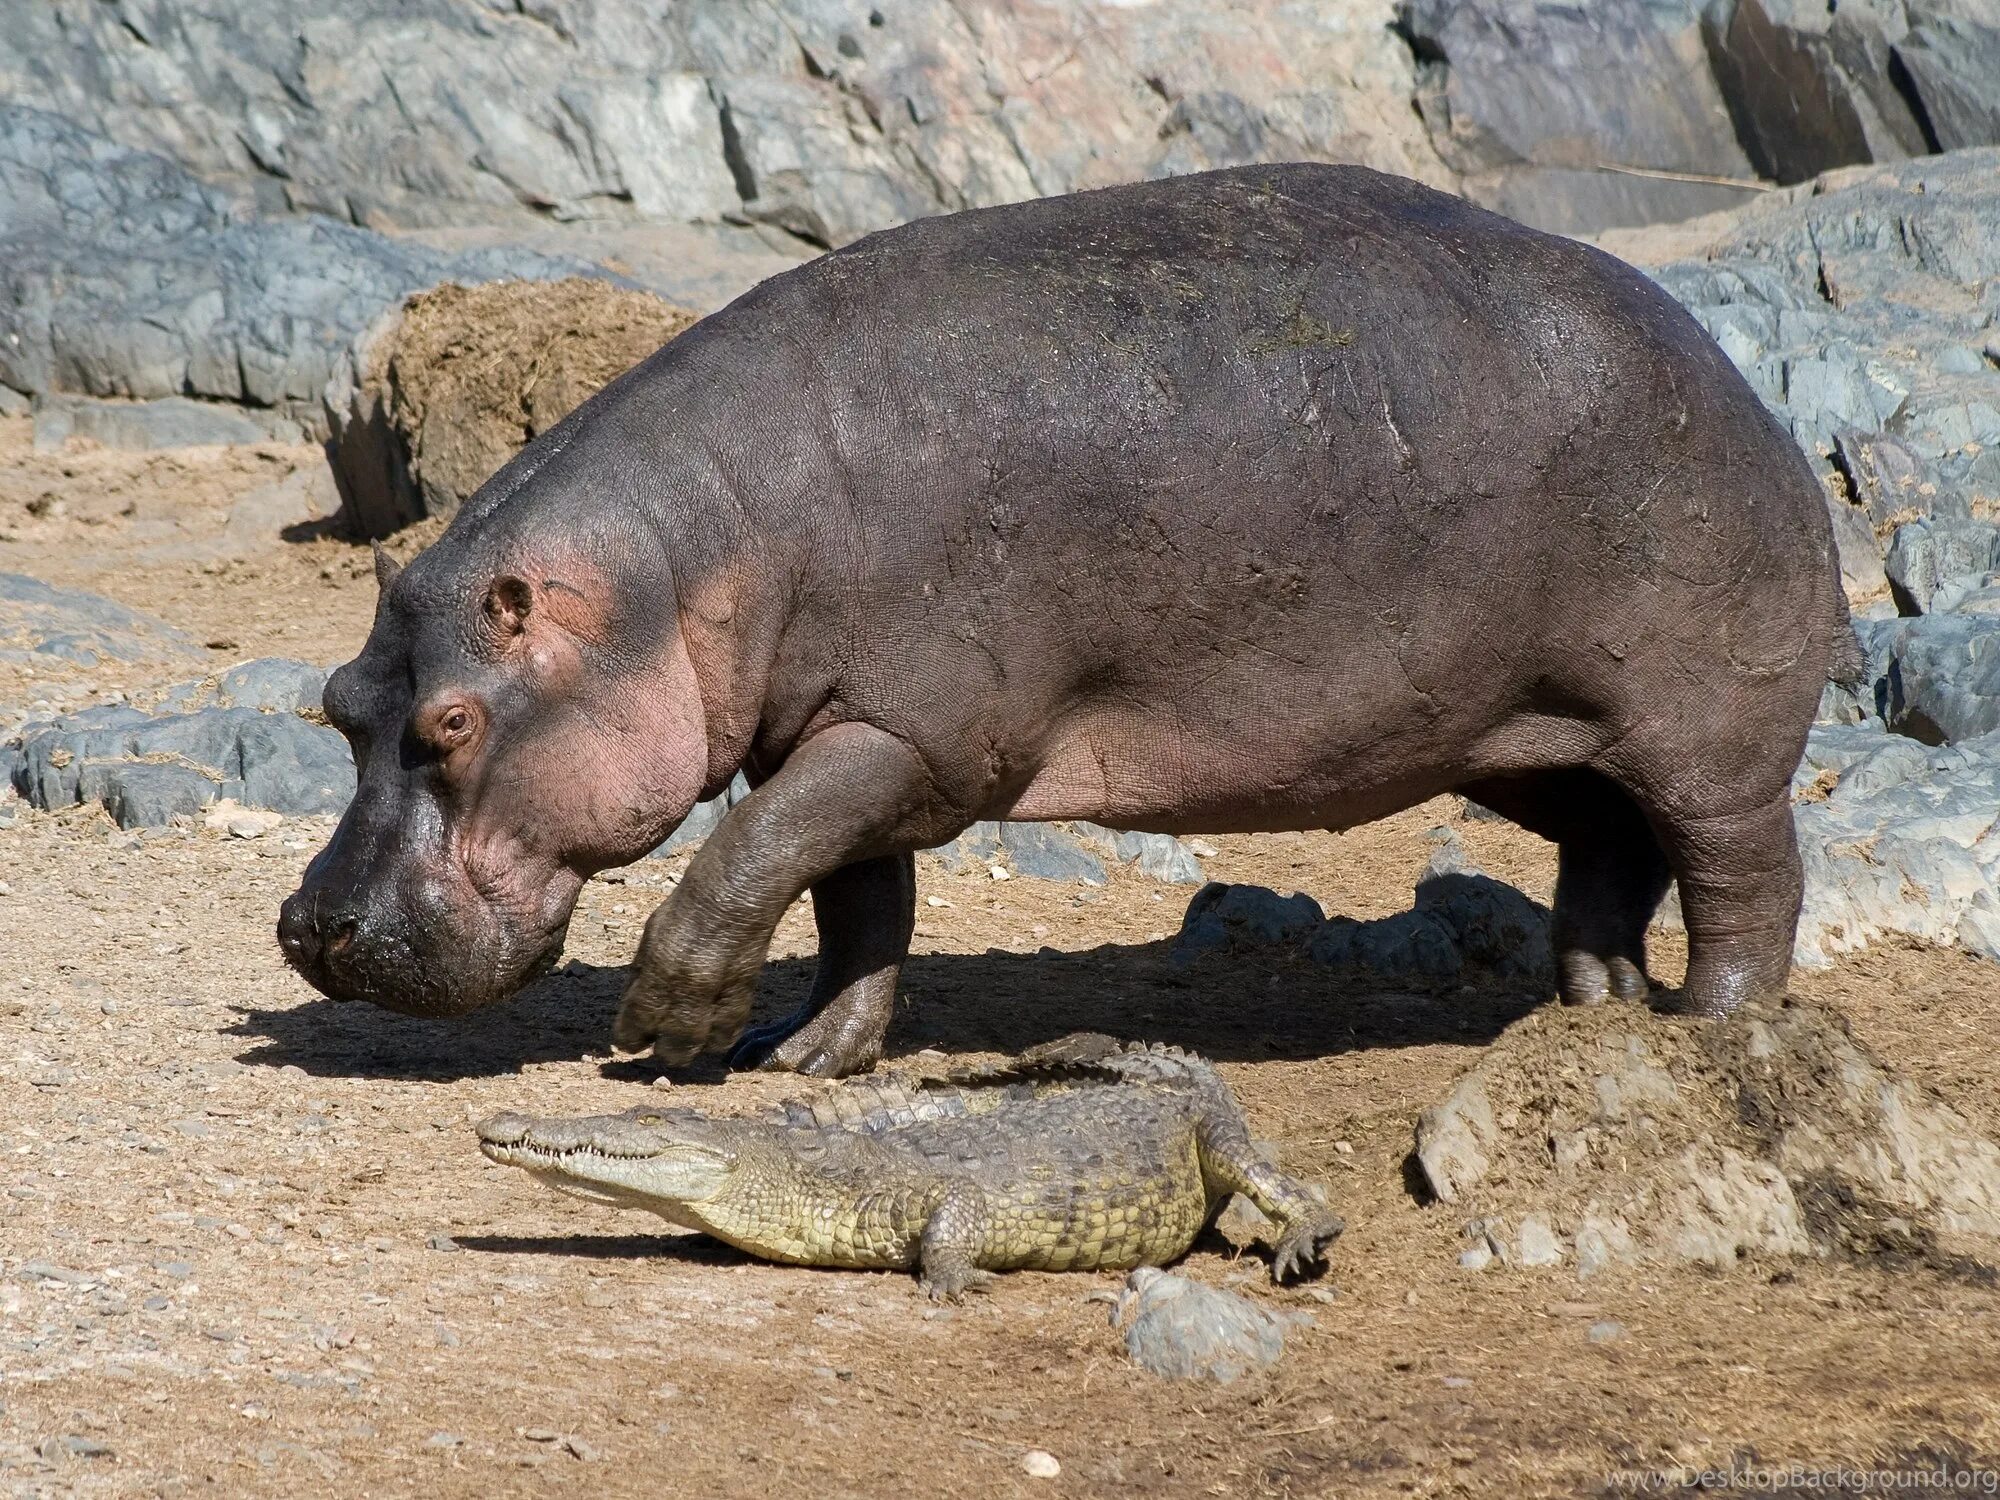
{"points": [[1039, 1463], [443, 1242], [928, 900], [999, 872], [1478, 1258], [6, 889], [1606, 1332]]}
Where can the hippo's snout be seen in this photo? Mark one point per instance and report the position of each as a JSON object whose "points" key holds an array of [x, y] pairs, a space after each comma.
{"points": [[349, 953]]}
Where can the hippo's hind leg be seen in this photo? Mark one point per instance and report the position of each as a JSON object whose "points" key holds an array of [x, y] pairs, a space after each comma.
{"points": [[1610, 876], [1741, 883], [865, 913]]}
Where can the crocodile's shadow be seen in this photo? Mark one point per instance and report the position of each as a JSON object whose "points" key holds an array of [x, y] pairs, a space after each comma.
{"points": [[1231, 1007], [695, 1249]]}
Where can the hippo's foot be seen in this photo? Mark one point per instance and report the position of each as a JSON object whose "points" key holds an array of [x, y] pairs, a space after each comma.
{"points": [[829, 1041], [684, 999], [1585, 979]]}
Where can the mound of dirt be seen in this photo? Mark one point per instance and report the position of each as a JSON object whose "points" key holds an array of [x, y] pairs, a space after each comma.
{"points": [[464, 377], [1610, 1134]]}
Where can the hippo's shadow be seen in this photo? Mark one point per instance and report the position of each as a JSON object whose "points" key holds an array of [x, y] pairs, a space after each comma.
{"points": [[1231, 1007]]}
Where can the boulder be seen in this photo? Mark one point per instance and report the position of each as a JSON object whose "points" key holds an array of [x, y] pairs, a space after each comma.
{"points": [[1574, 118], [1591, 1136], [122, 275], [1179, 1329], [1462, 920], [1897, 837], [462, 378], [1927, 555], [174, 422], [41, 626], [148, 769]]}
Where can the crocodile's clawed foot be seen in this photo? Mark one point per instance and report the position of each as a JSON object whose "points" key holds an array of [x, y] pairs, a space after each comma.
{"points": [[1302, 1250], [952, 1283]]}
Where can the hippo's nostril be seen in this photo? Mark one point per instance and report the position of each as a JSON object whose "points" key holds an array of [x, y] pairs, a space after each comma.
{"points": [[341, 938], [295, 932]]}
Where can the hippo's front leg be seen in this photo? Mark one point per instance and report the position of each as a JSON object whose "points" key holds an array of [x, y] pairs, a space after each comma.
{"points": [[852, 796]]}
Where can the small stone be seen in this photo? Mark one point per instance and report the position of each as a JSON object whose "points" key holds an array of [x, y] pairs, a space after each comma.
{"points": [[1477, 1258], [442, 1242], [1606, 1331], [1538, 1244], [999, 872], [443, 1440], [6, 889], [1343, 1148], [928, 900], [579, 1449], [1039, 1463]]}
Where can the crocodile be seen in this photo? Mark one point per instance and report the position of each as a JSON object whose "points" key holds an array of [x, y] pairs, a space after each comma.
{"points": [[1085, 1153]]}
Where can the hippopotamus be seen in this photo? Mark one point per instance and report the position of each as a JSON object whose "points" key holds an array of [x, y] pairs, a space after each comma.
{"points": [[1281, 497]]}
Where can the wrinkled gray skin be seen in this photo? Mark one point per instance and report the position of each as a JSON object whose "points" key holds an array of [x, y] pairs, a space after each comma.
{"points": [[1281, 497]]}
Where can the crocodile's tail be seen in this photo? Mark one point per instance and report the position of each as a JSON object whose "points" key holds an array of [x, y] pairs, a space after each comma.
{"points": [[1092, 1055], [882, 1101], [889, 1101]]}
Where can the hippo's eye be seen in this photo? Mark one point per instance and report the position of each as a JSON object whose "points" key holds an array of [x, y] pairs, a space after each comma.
{"points": [[454, 726]]}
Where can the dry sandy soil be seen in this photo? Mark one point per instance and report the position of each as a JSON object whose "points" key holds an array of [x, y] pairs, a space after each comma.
{"points": [[247, 1247]]}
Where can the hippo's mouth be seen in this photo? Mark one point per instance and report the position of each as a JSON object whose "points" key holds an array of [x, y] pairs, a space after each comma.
{"points": [[436, 981]]}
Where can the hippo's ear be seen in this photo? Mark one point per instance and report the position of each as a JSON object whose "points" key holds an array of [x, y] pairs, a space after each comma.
{"points": [[387, 569], [508, 602]]}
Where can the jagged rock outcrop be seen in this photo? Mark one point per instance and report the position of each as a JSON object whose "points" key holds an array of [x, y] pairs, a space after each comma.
{"points": [[829, 117]]}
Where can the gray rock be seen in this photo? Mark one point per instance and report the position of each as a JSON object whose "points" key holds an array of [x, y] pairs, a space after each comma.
{"points": [[124, 276], [1942, 684], [1494, 925], [1047, 851], [147, 770], [1182, 1330], [977, 847], [292, 766], [831, 117], [275, 684], [174, 422], [1531, 100], [1907, 841], [1808, 89], [1158, 855], [1952, 62], [1410, 945], [1229, 916], [139, 795], [40, 624], [1925, 555]]}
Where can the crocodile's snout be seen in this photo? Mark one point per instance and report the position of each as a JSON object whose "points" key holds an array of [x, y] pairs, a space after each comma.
{"points": [[507, 1129]]}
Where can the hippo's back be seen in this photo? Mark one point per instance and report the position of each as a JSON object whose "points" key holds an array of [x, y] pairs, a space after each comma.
{"points": [[1263, 443]]}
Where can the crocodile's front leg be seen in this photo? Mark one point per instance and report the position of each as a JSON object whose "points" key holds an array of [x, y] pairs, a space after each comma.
{"points": [[850, 795], [1229, 1162]]}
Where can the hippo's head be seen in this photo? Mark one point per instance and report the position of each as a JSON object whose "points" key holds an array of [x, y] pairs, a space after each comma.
{"points": [[524, 714]]}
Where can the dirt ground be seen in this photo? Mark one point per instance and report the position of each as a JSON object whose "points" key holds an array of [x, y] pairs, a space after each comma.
{"points": [[247, 1246]]}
